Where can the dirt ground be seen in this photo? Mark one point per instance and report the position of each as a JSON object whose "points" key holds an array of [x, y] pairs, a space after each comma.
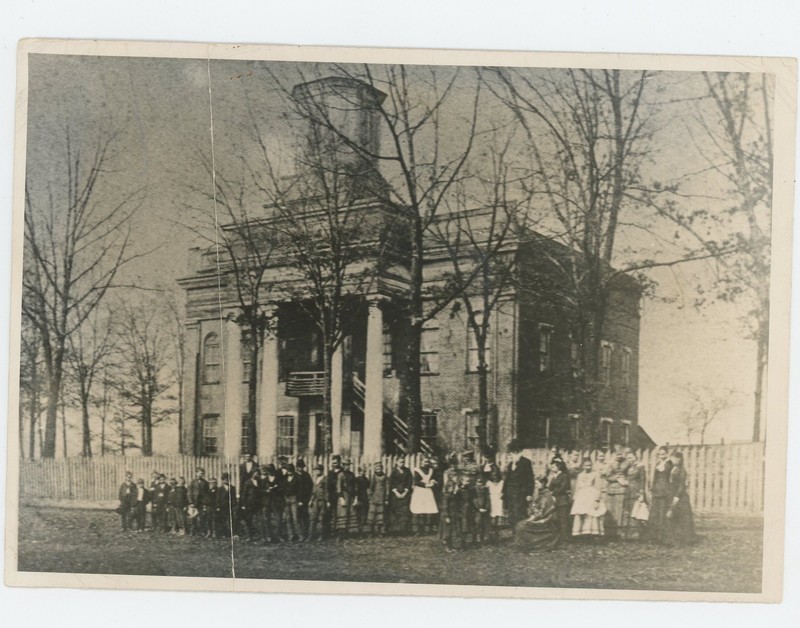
{"points": [[728, 558]]}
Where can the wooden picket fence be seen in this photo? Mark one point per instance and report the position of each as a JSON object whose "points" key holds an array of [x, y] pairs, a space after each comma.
{"points": [[722, 478]]}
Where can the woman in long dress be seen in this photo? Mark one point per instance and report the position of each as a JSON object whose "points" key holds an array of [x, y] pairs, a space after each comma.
{"points": [[540, 530], [400, 483], [659, 497], [588, 508], [423, 501], [680, 519]]}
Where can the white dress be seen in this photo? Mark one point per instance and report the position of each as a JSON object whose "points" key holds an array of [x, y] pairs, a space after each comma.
{"points": [[423, 502], [495, 498], [586, 508]]}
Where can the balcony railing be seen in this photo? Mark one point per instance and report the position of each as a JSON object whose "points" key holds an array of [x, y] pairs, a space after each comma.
{"points": [[305, 383]]}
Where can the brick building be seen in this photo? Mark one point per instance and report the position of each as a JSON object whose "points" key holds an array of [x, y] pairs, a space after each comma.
{"points": [[531, 353]]}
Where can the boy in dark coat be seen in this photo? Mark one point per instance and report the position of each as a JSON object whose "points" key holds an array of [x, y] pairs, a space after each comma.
{"points": [[451, 528], [272, 507], [178, 501], [160, 505]]}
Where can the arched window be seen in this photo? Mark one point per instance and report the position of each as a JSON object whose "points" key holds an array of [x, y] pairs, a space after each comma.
{"points": [[211, 359]]}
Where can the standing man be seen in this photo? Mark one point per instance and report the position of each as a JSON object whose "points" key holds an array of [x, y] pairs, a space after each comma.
{"points": [[127, 501], [247, 469], [251, 502], [225, 508], [518, 485], [332, 482], [306, 487], [197, 498], [210, 507], [291, 499]]}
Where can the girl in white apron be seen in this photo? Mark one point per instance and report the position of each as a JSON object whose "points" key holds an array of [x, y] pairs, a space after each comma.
{"points": [[423, 502]]}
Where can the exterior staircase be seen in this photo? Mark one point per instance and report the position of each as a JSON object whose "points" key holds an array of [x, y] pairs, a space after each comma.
{"points": [[399, 427]]}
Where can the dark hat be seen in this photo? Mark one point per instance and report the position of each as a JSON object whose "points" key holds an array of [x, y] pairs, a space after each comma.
{"points": [[301, 464], [336, 458], [283, 459], [514, 446], [290, 468], [225, 476], [319, 467], [271, 468], [346, 462]]}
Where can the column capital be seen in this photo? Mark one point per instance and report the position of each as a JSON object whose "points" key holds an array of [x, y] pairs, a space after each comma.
{"points": [[376, 300]]}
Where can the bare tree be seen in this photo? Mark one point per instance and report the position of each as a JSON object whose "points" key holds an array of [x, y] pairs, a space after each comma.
{"points": [[89, 348], [589, 135], [145, 373], [738, 147], [706, 406], [76, 240], [177, 322], [480, 242], [243, 246], [413, 170], [31, 388]]}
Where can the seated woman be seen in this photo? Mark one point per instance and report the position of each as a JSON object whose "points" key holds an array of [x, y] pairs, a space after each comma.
{"points": [[540, 530]]}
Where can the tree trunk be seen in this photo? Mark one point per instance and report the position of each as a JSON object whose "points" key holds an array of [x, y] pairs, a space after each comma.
{"points": [[64, 427], [410, 409], [252, 387], [51, 418], [761, 365], [327, 407], [590, 354], [85, 428]]}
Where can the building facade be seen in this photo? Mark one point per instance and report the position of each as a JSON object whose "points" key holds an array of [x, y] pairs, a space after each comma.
{"points": [[531, 351]]}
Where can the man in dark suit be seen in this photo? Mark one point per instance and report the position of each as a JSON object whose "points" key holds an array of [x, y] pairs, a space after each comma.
{"points": [[306, 487], [250, 503], [518, 484], [160, 504], [247, 469], [198, 488], [225, 510], [127, 501]]}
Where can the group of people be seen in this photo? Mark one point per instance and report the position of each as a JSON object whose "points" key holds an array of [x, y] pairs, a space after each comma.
{"points": [[463, 501]]}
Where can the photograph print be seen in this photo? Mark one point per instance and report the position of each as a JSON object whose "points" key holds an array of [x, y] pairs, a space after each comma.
{"points": [[362, 321]]}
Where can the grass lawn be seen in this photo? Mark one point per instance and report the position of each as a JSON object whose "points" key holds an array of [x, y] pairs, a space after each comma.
{"points": [[728, 558]]}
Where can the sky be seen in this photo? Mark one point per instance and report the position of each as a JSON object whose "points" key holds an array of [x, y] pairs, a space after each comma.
{"points": [[165, 110]]}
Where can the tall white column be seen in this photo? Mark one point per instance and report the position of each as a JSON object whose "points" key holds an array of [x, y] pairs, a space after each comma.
{"points": [[267, 433], [336, 400], [373, 398], [232, 367]]}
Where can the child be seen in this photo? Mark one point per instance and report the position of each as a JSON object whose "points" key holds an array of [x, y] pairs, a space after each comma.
{"points": [[140, 507], [495, 489], [481, 510], [423, 502], [160, 505], [451, 514], [127, 501], [179, 500], [378, 500], [225, 507], [588, 506], [361, 501], [469, 508], [209, 508], [192, 520]]}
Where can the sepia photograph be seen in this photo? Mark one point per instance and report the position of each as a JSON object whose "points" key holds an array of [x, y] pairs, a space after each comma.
{"points": [[348, 320]]}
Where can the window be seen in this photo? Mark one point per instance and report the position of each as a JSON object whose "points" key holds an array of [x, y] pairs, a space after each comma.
{"points": [[605, 362], [605, 433], [626, 367], [575, 429], [545, 341], [429, 347], [210, 434], [428, 427], [626, 433], [387, 350], [574, 357], [247, 354], [286, 435], [472, 345], [247, 437], [472, 422], [211, 359]]}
